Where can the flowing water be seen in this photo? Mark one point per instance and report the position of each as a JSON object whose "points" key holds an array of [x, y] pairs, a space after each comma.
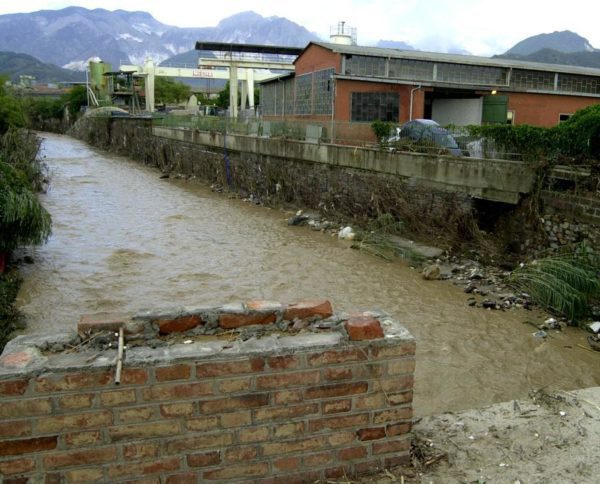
{"points": [[123, 240]]}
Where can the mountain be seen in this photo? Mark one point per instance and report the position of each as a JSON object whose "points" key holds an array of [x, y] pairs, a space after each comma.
{"points": [[71, 36], [549, 56], [565, 41], [12, 65], [394, 44]]}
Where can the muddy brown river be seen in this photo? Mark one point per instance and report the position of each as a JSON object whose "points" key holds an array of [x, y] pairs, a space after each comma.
{"points": [[123, 240]]}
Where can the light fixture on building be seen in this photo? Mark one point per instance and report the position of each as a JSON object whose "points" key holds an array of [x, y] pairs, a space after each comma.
{"points": [[494, 92]]}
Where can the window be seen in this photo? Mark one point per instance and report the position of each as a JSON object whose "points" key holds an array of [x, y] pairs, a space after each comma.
{"points": [[469, 74], [534, 80], [578, 84], [411, 69], [304, 94], [562, 117], [362, 65], [323, 91], [510, 117], [372, 106]]}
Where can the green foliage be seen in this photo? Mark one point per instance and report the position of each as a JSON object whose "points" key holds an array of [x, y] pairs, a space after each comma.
{"points": [[10, 318], [377, 240], [167, 90], [23, 219], [19, 148], [579, 136], [223, 99], [564, 284], [381, 129], [75, 99], [11, 109]]}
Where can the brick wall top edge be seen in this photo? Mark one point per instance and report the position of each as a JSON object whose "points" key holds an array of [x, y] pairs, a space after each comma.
{"points": [[32, 354]]}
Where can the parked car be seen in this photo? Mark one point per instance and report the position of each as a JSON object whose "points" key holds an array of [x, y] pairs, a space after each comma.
{"points": [[426, 132]]}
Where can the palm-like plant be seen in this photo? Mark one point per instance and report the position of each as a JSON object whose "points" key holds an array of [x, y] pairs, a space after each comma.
{"points": [[564, 284]]}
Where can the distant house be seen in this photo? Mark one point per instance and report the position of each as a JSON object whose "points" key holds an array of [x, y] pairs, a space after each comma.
{"points": [[350, 83]]}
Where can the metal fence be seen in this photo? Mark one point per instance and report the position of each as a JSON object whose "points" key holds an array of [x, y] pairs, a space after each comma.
{"points": [[345, 133]]}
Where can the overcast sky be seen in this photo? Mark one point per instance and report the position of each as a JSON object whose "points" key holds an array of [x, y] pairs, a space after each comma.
{"points": [[481, 27]]}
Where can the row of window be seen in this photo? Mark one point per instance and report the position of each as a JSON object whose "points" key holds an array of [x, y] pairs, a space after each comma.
{"points": [[521, 79]]}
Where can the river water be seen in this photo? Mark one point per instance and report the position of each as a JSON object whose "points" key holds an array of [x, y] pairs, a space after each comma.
{"points": [[123, 240]]}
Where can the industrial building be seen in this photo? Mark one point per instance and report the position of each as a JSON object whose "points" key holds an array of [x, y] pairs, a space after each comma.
{"points": [[343, 82]]}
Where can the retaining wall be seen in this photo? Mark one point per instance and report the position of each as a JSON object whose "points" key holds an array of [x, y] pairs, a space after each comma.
{"points": [[257, 392]]}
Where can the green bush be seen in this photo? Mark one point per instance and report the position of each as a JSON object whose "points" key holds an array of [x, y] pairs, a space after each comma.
{"points": [[381, 129]]}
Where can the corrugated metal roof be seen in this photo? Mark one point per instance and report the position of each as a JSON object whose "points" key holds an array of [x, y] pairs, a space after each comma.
{"points": [[455, 59]]}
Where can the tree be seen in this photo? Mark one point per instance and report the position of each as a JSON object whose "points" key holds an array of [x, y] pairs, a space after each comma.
{"points": [[11, 109], [167, 90]]}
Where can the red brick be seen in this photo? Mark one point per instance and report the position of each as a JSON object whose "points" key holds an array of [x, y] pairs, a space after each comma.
{"points": [[16, 360], [395, 351], [341, 438], [80, 439], [287, 380], [134, 376], [372, 401], [283, 362], [337, 374], [173, 372], [135, 414], [371, 434], [397, 460], [230, 367], [287, 464], [94, 323], [296, 446], [202, 423], [315, 308], [392, 446], [369, 466], [59, 460], [187, 478], [25, 480], [398, 429], [396, 384], [140, 451], [13, 387], [338, 422], [237, 320], [142, 468], [399, 398], [79, 400], [238, 454], [118, 397], [204, 460], [85, 475], [27, 446], [16, 466], [234, 471], [400, 366], [177, 391], [15, 428], [178, 325], [353, 453], [363, 328], [286, 412], [286, 397], [288, 430], [171, 410], [337, 406], [61, 423], [25, 408], [338, 472], [197, 442], [260, 305], [317, 460], [236, 419], [144, 431], [235, 385], [393, 415], [332, 357], [251, 400], [336, 390], [256, 434], [72, 381]]}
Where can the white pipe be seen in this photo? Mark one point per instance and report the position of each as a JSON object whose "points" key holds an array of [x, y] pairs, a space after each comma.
{"points": [[412, 92]]}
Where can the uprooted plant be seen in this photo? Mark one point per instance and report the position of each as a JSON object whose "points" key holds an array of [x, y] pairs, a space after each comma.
{"points": [[565, 284]]}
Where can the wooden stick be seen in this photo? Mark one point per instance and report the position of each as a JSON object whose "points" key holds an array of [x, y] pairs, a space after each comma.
{"points": [[119, 357]]}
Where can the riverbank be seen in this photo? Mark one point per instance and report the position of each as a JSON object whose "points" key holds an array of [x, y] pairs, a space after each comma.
{"points": [[10, 318], [548, 437]]}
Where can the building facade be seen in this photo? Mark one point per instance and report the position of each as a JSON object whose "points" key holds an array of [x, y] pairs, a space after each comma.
{"points": [[350, 83]]}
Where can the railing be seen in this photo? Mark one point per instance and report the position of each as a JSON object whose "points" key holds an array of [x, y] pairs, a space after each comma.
{"points": [[345, 133]]}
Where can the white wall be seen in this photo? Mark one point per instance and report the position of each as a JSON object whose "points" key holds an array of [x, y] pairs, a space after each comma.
{"points": [[460, 112]]}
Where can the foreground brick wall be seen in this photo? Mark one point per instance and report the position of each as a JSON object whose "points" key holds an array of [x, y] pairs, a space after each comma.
{"points": [[279, 408]]}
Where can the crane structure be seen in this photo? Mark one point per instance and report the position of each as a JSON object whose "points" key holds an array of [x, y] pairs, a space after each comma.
{"points": [[232, 64]]}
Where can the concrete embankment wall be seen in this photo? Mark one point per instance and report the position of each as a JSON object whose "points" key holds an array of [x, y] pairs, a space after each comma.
{"points": [[258, 401], [431, 195]]}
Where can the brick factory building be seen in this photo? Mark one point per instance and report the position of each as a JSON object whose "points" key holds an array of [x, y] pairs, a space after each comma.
{"points": [[350, 83]]}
